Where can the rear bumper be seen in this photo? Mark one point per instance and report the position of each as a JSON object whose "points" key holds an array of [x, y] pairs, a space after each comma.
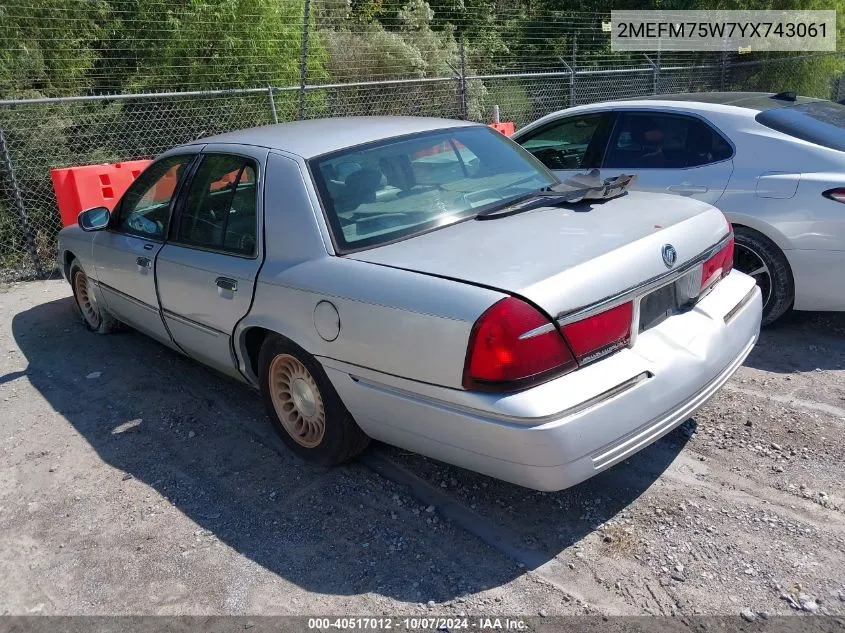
{"points": [[563, 432]]}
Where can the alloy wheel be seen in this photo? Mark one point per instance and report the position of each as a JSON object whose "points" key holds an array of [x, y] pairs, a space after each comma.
{"points": [[297, 400]]}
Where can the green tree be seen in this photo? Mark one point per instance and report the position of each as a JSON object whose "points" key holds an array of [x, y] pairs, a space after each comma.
{"points": [[213, 44], [48, 46]]}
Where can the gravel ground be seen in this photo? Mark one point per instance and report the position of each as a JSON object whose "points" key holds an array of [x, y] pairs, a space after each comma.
{"points": [[134, 481]]}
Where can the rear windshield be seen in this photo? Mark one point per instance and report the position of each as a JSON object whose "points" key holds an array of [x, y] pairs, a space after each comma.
{"points": [[819, 122], [400, 187]]}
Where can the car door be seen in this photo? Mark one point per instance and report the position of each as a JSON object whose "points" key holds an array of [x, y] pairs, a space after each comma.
{"points": [[572, 144], [670, 153], [124, 254], [206, 272]]}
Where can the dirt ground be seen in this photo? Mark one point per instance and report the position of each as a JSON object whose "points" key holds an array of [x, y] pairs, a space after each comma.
{"points": [[134, 481]]}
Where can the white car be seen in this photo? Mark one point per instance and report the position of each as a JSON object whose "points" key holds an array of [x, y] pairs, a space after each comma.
{"points": [[773, 163]]}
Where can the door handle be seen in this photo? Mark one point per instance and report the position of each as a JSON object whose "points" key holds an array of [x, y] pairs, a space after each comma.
{"points": [[226, 284], [144, 262], [687, 189]]}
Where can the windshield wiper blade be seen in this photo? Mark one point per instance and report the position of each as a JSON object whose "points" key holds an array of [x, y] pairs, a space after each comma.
{"points": [[575, 189], [537, 200]]}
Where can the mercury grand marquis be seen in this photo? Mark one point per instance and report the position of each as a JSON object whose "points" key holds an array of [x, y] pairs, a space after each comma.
{"points": [[427, 283]]}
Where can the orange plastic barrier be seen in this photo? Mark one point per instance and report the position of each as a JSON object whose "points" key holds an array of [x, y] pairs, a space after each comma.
{"points": [[505, 127], [86, 186], [165, 187]]}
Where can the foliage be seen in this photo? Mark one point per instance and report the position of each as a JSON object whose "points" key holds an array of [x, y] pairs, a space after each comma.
{"points": [[812, 76], [245, 43], [511, 97], [54, 48], [42, 51]]}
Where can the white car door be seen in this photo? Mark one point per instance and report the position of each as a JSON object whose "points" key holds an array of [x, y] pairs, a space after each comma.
{"points": [[670, 153]]}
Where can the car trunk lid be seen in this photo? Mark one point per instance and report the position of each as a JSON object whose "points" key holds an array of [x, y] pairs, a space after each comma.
{"points": [[566, 257]]}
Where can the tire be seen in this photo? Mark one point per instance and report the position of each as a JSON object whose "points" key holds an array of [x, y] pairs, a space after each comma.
{"points": [[757, 255], [304, 407], [94, 315]]}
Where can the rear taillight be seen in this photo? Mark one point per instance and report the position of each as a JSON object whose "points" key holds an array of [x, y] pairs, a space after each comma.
{"points": [[601, 333], [718, 265], [501, 357], [837, 194], [513, 345]]}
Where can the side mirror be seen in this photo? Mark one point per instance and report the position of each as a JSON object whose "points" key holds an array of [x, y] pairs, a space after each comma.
{"points": [[95, 219]]}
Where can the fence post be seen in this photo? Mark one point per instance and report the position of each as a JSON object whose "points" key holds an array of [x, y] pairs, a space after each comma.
{"points": [[571, 81], [19, 205], [657, 89], [723, 71], [462, 82], [272, 103], [572, 73], [655, 74], [303, 60]]}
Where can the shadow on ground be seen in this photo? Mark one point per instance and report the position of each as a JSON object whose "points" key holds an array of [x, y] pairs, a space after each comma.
{"points": [[202, 442], [801, 342]]}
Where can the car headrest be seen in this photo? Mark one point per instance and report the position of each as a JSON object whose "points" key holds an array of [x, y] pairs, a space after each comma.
{"points": [[398, 172], [360, 187]]}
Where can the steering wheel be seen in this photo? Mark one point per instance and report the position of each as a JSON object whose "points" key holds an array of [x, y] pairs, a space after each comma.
{"points": [[554, 158]]}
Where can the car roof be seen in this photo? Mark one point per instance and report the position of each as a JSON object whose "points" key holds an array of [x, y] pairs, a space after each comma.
{"points": [[756, 101], [743, 104], [314, 137]]}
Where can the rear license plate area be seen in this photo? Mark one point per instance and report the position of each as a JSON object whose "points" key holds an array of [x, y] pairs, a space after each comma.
{"points": [[678, 296], [657, 306]]}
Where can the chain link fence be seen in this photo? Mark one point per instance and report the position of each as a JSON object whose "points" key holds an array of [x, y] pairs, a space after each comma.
{"points": [[343, 68]]}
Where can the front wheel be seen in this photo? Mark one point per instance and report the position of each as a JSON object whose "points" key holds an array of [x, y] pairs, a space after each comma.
{"points": [[758, 256], [94, 315], [304, 407]]}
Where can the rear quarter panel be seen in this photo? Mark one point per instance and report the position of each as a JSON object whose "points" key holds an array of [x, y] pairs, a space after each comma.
{"points": [[776, 188], [393, 321]]}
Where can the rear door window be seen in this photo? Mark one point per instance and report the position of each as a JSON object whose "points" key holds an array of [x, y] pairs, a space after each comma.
{"points": [[819, 122], [220, 208], [661, 141]]}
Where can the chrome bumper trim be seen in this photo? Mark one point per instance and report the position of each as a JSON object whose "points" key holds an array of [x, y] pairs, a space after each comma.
{"points": [[739, 306], [629, 294], [641, 289], [520, 421]]}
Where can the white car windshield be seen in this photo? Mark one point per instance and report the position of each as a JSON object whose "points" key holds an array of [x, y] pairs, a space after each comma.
{"points": [[397, 188]]}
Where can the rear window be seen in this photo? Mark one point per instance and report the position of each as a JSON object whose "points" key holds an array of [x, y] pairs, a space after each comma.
{"points": [[819, 122], [401, 187]]}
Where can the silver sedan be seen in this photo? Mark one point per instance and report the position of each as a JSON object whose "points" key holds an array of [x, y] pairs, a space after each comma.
{"points": [[427, 283]]}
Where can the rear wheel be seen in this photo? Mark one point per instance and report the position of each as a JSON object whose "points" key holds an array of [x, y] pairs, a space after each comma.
{"points": [[94, 315], [758, 256], [304, 407]]}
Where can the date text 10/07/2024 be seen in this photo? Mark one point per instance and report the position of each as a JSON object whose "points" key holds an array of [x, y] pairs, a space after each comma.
{"points": [[417, 623]]}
